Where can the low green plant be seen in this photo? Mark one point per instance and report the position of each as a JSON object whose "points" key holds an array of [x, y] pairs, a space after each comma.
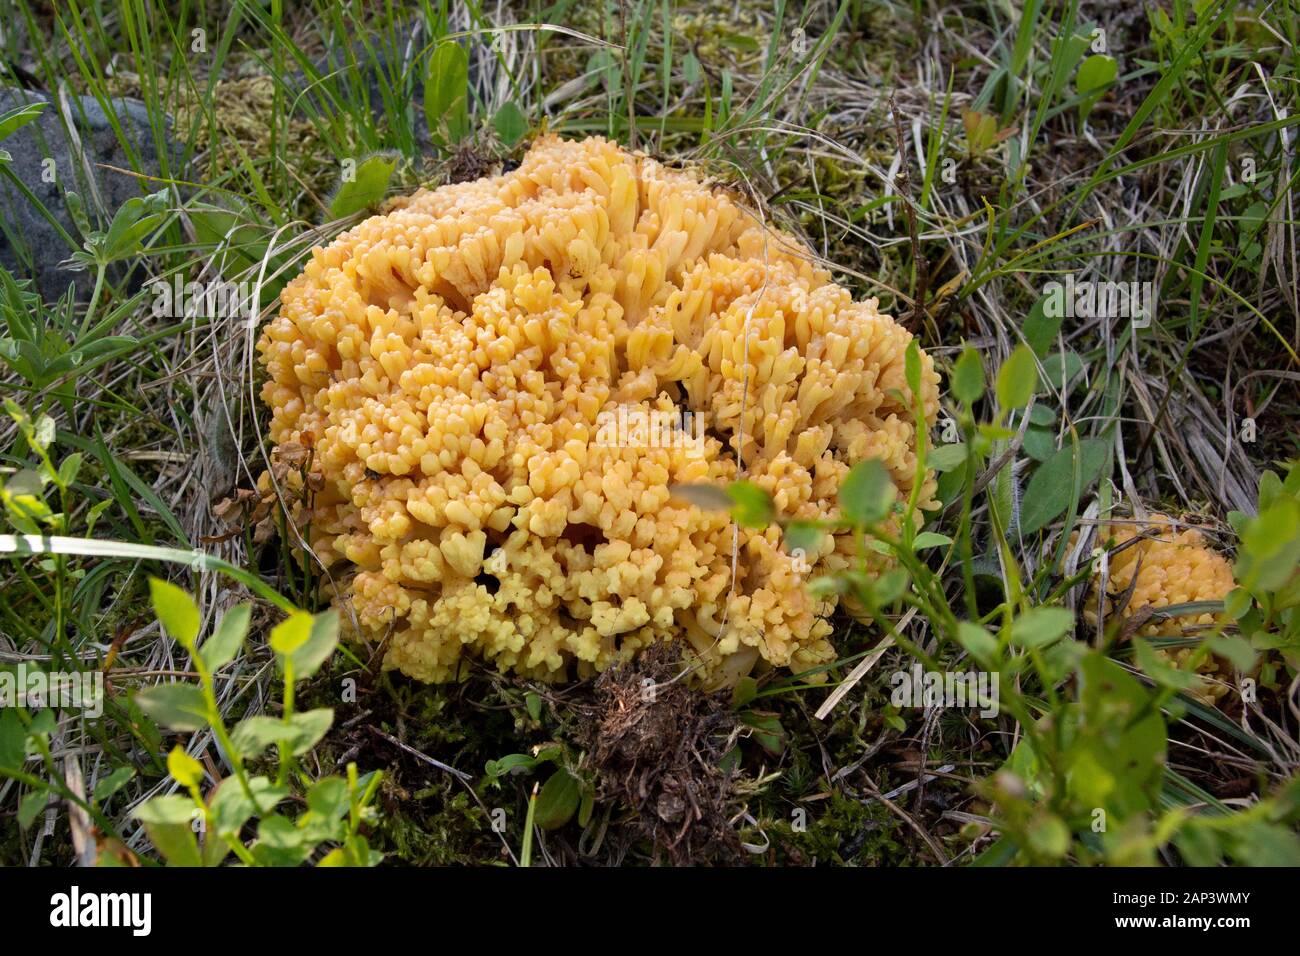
{"points": [[1088, 780], [337, 807]]}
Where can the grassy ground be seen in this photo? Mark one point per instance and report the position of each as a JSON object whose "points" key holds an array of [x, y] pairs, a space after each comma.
{"points": [[951, 160]]}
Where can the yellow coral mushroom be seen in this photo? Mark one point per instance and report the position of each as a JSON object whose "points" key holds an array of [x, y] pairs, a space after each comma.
{"points": [[1169, 568], [502, 379]]}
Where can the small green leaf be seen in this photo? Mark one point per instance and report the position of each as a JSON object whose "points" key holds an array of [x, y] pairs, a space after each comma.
{"points": [[912, 368], [968, 376], [183, 768], [533, 704], [510, 124], [1039, 443], [805, 536], [744, 691], [1161, 671], [109, 785], [366, 189], [168, 822], [706, 497], [751, 505], [768, 732], [1048, 493], [30, 807], [1018, 378], [178, 707], [511, 764], [446, 92], [176, 610], [307, 728], [1060, 369], [1041, 626], [321, 642], [979, 643], [1040, 329], [12, 736], [300, 732], [1235, 650], [1049, 836], [328, 797], [1095, 74], [930, 539], [291, 633], [69, 468], [224, 644], [558, 800], [867, 493], [945, 458], [230, 808]]}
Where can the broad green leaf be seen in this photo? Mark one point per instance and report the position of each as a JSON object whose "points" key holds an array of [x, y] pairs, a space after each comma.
{"points": [[867, 493], [328, 797], [291, 633], [446, 91], [511, 764], [1060, 369], [1041, 626], [367, 188], [252, 735], [981, 645], [1161, 671], [968, 376], [12, 736], [230, 808], [707, 497], [1018, 378], [307, 728], [510, 124], [1095, 74], [109, 785], [804, 536], [751, 505], [1040, 329], [768, 732], [183, 768], [558, 800], [280, 843], [176, 610], [320, 644], [912, 368], [175, 706], [1048, 493], [1039, 443], [744, 691], [30, 807], [944, 458], [300, 732], [1270, 547], [1117, 759], [224, 644], [168, 822], [1235, 650]]}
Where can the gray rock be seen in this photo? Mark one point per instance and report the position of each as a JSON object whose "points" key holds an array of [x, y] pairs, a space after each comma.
{"points": [[30, 246]]}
